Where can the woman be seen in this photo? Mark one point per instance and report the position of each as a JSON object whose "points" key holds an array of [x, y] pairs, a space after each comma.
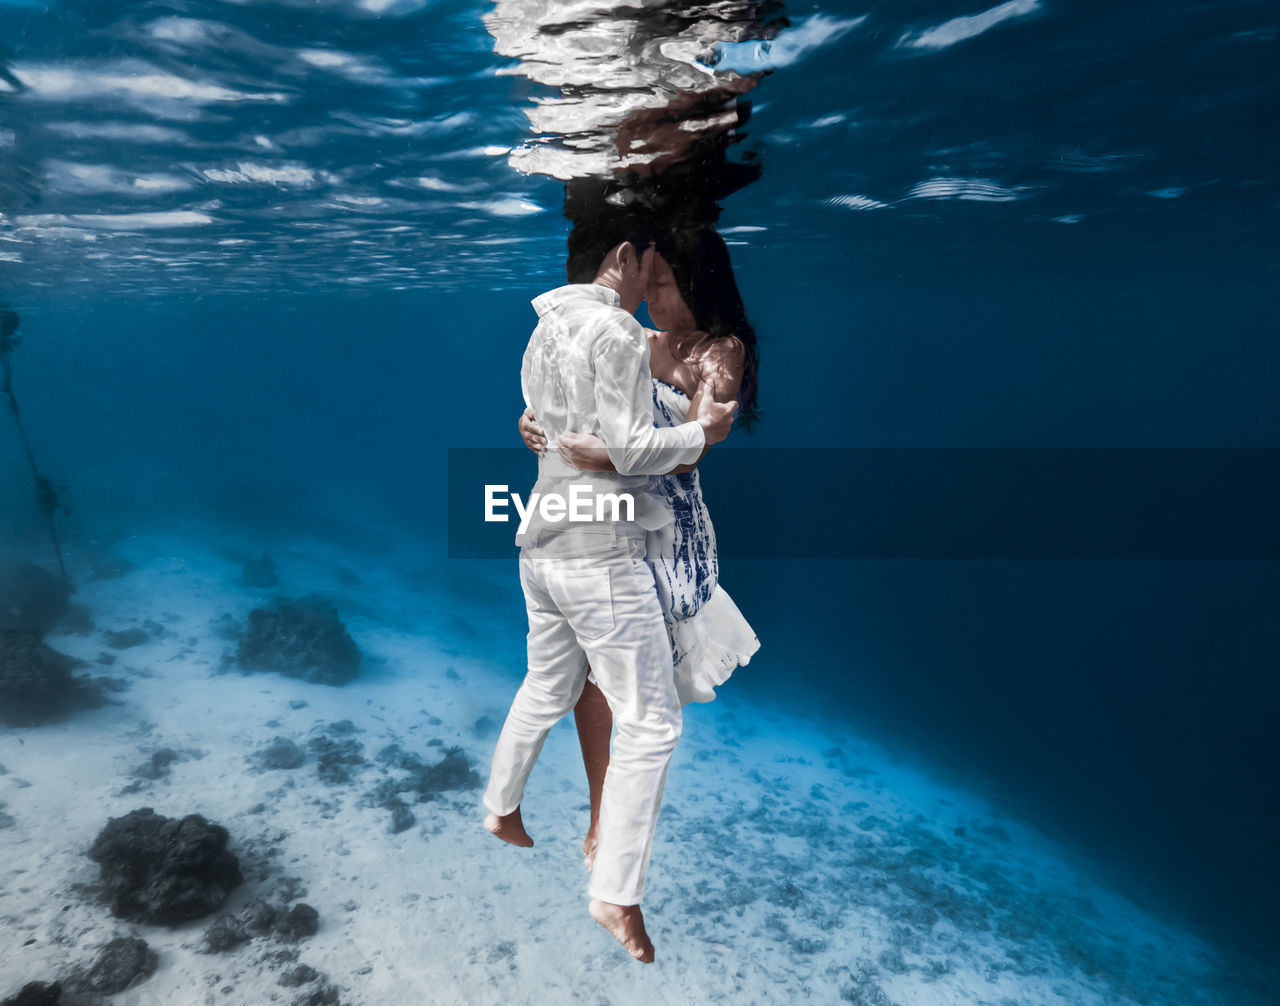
{"points": [[704, 345]]}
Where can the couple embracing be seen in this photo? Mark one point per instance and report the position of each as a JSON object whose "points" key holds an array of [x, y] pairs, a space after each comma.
{"points": [[627, 622]]}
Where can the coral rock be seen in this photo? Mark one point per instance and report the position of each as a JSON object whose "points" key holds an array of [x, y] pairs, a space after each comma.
{"points": [[35, 680], [123, 963], [301, 639], [162, 870], [31, 598], [299, 921], [36, 994]]}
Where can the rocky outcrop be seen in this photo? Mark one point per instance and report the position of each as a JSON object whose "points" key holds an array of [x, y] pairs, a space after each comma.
{"points": [[281, 753], [32, 599], [302, 639], [36, 994], [298, 922], [123, 963], [162, 870], [36, 684]]}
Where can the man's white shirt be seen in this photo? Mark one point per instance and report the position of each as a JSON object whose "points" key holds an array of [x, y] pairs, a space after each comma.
{"points": [[586, 370]]}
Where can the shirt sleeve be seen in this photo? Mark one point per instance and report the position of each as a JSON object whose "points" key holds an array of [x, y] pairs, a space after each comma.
{"points": [[624, 407]]}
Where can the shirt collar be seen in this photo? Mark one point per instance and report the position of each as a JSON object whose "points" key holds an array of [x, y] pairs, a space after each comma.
{"points": [[574, 291]]}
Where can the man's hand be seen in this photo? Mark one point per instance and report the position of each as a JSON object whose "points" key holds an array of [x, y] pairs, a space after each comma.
{"points": [[585, 452], [716, 418], [534, 436]]}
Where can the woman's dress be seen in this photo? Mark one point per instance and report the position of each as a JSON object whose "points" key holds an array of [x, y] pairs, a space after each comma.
{"points": [[709, 635]]}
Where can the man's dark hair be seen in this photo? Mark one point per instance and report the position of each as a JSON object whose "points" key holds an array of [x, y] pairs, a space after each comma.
{"points": [[599, 226]]}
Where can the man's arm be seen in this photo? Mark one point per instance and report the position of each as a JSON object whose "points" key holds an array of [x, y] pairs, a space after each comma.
{"points": [[720, 365], [624, 407]]}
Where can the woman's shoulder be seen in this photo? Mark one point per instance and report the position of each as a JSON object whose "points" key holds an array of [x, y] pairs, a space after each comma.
{"points": [[720, 353]]}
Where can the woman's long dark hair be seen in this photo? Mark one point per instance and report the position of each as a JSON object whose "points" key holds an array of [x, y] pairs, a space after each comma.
{"points": [[700, 262]]}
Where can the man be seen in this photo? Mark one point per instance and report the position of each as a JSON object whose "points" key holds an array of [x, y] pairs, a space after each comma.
{"points": [[589, 594]]}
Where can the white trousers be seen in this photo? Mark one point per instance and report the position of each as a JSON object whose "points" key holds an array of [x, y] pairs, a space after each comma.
{"points": [[591, 598]]}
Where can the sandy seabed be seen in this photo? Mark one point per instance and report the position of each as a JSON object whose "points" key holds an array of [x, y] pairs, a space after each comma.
{"points": [[793, 862]]}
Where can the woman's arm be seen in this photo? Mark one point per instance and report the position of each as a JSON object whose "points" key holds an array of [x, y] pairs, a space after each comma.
{"points": [[533, 435]]}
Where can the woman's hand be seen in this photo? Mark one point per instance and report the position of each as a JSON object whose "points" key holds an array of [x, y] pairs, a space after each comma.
{"points": [[535, 438], [586, 452]]}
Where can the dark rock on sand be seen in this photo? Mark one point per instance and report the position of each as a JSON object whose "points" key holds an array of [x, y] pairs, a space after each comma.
{"points": [[126, 638], [420, 780], [454, 771], [6, 819], [36, 684], [280, 957], [32, 599], [281, 753], [300, 975], [260, 572], [324, 995], [35, 680], [225, 934], [334, 758], [298, 922], [402, 818], [484, 727], [258, 916], [123, 963], [289, 889], [162, 870], [36, 994], [302, 639], [157, 766]]}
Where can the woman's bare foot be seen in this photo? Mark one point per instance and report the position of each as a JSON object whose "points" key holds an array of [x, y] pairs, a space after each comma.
{"points": [[590, 843], [509, 828], [627, 926]]}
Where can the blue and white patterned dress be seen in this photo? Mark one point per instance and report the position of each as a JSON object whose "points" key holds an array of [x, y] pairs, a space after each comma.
{"points": [[709, 636]]}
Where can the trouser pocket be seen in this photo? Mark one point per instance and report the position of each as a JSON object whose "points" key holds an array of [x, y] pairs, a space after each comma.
{"points": [[585, 598]]}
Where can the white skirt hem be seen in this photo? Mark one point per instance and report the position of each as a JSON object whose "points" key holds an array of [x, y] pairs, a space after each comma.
{"points": [[709, 645]]}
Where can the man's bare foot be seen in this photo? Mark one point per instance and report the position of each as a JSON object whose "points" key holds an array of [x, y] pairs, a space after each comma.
{"points": [[627, 926], [589, 845], [509, 828]]}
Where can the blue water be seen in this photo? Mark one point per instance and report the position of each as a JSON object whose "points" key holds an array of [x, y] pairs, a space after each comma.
{"points": [[272, 260]]}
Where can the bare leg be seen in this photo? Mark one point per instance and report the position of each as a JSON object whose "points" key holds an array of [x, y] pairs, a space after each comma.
{"points": [[595, 725], [627, 926], [509, 828]]}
